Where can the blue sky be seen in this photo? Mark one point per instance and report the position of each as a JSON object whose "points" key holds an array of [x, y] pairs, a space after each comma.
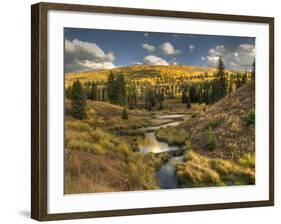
{"points": [[92, 49]]}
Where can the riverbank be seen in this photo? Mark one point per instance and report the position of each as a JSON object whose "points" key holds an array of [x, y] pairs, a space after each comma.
{"points": [[222, 142], [172, 135], [142, 151], [166, 174], [97, 151]]}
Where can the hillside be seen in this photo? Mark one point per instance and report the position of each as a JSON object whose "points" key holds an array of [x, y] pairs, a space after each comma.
{"points": [[140, 71], [218, 140], [103, 147], [228, 119], [221, 145]]}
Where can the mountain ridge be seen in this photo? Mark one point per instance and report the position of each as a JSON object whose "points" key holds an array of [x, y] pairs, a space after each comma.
{"points": [[142, 71]]}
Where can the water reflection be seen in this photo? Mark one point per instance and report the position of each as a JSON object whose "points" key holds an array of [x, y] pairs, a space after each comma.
{"points": [[151, 144], [170, 116], [166, 177]]}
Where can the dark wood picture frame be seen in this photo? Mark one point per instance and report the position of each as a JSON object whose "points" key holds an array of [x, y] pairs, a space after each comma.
{"points": [[39, 110]]}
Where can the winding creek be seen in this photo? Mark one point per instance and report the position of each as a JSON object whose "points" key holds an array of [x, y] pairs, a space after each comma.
{"points": [[165, 176]]}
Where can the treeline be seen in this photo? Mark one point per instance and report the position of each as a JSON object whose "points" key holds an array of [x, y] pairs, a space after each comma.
{"points": [[91, 91], [78, 100], [117, 91], [154, 99], [209, 92]]}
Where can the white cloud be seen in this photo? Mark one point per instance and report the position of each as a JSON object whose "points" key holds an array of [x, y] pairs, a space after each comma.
{"points": [[136, 63], [244, 56], [154, 60], [214, 55], [168, 49], [217, 51], [82, 56], [203, 58], [148, 47], [191, 48], [212, 61], [240, 58], [146, 34], [98, 65]]}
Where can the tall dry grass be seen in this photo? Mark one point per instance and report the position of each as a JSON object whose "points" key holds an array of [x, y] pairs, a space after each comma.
{"points": [[198, 170]]}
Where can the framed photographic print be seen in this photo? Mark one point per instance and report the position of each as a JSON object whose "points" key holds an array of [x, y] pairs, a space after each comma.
{"points": [[138, 111]]}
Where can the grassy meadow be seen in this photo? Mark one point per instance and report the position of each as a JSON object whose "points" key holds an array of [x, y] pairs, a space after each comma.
{"points": [[109, 113]]}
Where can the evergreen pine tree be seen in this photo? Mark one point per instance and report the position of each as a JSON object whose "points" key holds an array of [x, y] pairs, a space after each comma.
{"points": [[111, 88], [68, 92], [150, 99], [220, 68], [230, 85], [78, 100], [160, 99], [93, 92], [125, 114], [121, 89], [192, 94], [98, 94], [238, 81], [244, 78], [188, 103], [103, 94], [184, 96], [222, 91], [215, 91], [253, 70], [200, 94], [131, 96], [205, 92]]}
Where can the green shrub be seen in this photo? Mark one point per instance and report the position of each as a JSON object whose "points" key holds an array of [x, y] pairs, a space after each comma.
{"points": [[188, 146], [250, 118], [125, 114], [211, 140], [193, 115], [124, 149], [214, 123], [247, 160]]}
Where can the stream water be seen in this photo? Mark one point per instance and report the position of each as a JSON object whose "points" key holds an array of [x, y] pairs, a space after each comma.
{"points": [[165, 176]]}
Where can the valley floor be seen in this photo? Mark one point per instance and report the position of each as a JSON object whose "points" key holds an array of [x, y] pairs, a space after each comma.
{"points": [[102, 151]]}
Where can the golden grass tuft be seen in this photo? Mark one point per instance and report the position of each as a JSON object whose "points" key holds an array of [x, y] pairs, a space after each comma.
{"points": [[114, 171], [247, 160], [96, 140], [198, 170], [172, 135], [98, 160], [233, 173], [198, 175]]}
